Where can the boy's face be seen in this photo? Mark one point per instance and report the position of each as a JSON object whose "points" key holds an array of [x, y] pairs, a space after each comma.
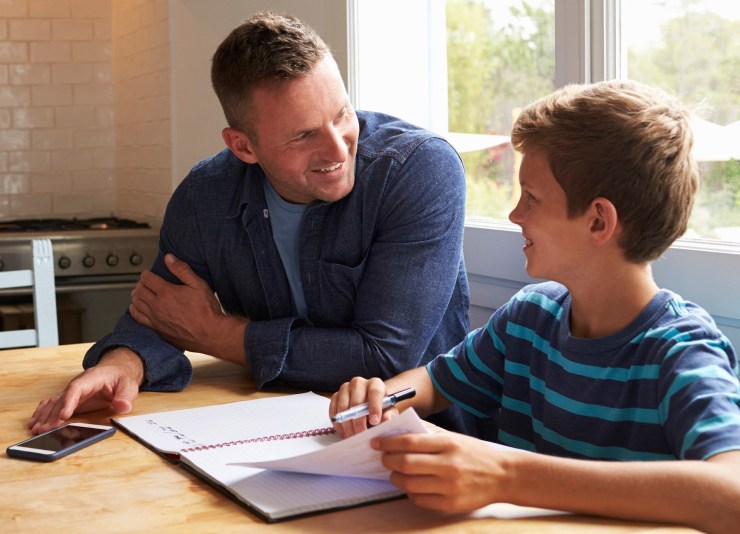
{"points": [[555, 246]]}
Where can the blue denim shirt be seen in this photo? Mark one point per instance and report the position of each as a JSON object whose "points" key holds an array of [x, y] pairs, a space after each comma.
{"points": [[382, 269]]}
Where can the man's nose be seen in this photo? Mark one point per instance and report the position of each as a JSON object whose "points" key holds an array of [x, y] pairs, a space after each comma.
{"points": [[335, 147]]}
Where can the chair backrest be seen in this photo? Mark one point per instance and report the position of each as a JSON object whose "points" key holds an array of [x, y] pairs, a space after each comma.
{"points": [[41, 279]]}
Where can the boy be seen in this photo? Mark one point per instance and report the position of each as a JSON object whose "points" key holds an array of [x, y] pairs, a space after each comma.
{"points": [[598, 365]]}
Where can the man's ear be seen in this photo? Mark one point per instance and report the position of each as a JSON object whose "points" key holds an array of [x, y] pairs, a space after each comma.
{"points": [[239, 144], [604, 222]]}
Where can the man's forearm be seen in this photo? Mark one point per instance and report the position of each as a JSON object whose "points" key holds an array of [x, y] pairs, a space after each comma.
{"points": [[226, 341]]}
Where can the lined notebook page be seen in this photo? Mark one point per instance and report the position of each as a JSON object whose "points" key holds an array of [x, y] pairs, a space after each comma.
{"points": [[169, 432], [277, 494]]}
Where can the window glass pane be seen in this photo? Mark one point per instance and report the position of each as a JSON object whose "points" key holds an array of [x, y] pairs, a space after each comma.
{"points": [[691, 49], [500, 57]]}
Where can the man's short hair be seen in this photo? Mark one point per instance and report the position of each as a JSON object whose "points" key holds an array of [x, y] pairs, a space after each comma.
{"points": [[627, 142], [266, 48]]}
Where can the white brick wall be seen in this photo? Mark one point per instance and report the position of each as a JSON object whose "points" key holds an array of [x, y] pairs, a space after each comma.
{"points": [[84, 108], [57, 142]]}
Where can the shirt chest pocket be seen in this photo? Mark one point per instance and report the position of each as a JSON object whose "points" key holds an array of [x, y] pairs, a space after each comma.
{"points": [[338, 291]]}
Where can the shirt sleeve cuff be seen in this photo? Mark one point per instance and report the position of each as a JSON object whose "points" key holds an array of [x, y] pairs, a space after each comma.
{"points": [[267, 344]]}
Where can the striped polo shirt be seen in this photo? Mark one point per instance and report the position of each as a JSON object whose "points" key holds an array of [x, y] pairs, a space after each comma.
{"points": [[665, 387]]}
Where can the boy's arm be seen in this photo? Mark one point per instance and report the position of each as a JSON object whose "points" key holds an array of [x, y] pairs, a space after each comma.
{"points": [[701, 494], [452, 472], [360, 390]]}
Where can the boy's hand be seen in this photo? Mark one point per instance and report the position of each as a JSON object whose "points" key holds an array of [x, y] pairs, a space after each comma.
{"points": [[359, 391]]}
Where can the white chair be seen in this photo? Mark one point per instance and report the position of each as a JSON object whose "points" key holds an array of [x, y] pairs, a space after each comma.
{"points": [[41, 279]]}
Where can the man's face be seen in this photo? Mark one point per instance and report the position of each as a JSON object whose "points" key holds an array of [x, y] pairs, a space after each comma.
{"points": [[306, 136]]}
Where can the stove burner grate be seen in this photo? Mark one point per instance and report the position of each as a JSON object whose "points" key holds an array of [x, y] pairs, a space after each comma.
{"points": [[52, 225]]}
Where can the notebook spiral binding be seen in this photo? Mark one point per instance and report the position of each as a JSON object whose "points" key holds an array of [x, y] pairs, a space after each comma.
{"points": [[275, 437]]}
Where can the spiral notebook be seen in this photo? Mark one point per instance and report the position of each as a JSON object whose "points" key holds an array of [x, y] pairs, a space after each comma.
{"points": [[278, 457]]}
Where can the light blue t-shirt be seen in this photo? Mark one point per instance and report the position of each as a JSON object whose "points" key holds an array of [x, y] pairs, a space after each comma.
{"points": [[285, 219]]}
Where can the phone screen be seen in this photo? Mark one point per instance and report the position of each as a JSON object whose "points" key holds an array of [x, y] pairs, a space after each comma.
{"points": [[60, 442], [62, 437]]}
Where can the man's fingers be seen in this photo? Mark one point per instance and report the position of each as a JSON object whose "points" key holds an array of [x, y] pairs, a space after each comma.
{"points": [[124, 396], [183, 272]]}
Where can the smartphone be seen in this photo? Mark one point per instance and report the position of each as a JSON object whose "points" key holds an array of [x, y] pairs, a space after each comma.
{"points": [[59, 442]]}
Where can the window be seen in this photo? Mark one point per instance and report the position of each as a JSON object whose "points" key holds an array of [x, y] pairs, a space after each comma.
{"points": [[692, 50], [462, 67]]}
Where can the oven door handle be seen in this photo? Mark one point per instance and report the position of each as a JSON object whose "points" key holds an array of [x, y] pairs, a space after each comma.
{"points": [[72, 288], [93, 286]]}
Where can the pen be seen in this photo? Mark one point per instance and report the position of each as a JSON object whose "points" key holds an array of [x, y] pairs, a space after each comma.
{"points": [[361, 410]]}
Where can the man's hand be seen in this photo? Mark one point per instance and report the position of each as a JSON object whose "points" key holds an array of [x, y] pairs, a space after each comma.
{"points": [[113, 383], [189, 316]]}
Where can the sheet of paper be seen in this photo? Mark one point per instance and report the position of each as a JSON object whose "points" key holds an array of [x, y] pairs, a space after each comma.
{"points": [[351, 457]]}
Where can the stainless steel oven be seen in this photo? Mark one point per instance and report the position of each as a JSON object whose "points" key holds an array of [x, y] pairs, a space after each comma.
{"points": [[96, 264]]}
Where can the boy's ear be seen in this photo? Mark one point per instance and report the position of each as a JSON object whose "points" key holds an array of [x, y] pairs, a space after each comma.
{"points": [[603, 220], [239, 144]]}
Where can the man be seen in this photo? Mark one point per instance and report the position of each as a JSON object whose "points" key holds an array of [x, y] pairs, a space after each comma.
{"points": [[624, 395], [332, 239]]}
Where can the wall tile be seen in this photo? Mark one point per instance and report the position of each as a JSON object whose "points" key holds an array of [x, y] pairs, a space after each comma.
{"points": [[93, 93], [12, 52], [15, 139], [71, 160], [91, 51], [29, 30], [72, 203], [94, 180], [41, 117], [51, 95], [14, 96], [29, 74], [30, 206], [6, 120], [14, 183], [49, 8], [52, 139], [70, 117], [91, 9], [72, 73], [93, 137], [53, 52], [13, 8], [29, 161], [4, 207], [72, 29], [56, 182], [105, 203], [104, 158]]}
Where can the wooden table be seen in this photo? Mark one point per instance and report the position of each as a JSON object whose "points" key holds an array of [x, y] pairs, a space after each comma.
{"points": [[118, 485]]}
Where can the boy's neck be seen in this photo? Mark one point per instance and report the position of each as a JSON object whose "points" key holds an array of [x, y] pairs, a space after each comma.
{"points": [[605, 304]]}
